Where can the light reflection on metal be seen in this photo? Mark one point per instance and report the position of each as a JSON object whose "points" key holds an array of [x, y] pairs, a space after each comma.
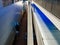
{"points": [[30, 26]]}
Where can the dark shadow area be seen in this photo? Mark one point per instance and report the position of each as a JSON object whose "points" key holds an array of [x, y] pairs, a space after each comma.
{"points": [[21, 37]]}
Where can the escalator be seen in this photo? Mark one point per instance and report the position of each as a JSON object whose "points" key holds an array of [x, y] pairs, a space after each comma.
{"points": [[35, 26]]}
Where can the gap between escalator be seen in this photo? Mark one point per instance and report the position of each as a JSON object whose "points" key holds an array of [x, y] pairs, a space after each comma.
{"points": [[21, 37]]}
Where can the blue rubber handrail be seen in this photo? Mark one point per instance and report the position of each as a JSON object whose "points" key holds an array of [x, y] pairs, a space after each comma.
{"points": [[48, 23]]}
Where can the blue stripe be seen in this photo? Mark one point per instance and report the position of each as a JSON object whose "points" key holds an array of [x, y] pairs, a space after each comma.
{"points": [[48, 23]]}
